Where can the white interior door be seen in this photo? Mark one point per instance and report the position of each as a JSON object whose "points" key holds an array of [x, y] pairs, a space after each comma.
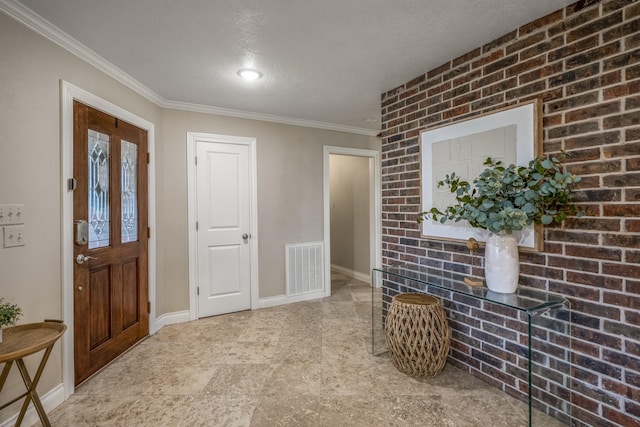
{"points": [[223, 228]]}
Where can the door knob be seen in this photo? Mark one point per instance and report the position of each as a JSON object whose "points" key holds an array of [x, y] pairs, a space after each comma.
{"points": [[81, 259], [246, 236]]}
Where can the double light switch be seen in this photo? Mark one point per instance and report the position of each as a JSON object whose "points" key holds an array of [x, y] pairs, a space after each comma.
{"points": [[12, 220]]}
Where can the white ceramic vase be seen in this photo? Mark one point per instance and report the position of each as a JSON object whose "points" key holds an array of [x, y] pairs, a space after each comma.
{"points": [[501, 263]]}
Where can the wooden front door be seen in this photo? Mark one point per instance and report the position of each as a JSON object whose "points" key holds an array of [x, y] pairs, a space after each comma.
{"points": [[111, 309]]}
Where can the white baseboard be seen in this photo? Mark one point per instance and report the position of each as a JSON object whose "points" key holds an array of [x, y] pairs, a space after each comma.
{"points": [[50, 401], [170, 319], [352, 273], [283, 299]]}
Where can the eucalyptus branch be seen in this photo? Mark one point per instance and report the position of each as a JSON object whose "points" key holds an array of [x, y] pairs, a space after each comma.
{"points": [[509, 198]]}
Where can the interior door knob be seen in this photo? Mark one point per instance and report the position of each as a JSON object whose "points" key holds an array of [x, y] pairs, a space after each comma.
{"points": [[246, 236], [81, 259]]}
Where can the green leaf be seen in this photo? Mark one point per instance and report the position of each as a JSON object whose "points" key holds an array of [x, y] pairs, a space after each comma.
{"points": [[487, 204], [547, 164]]}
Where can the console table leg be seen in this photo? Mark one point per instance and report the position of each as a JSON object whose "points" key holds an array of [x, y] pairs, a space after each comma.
{"points": [[5, 373], [32, 394]]}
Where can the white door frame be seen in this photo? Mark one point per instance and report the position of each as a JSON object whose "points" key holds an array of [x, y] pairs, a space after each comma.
{"points": [[375, 238], [192, 139], [69, 93]]}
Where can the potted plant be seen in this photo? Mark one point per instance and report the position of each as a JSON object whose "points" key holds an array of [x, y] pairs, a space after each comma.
{"points": [[9, 314], [504, 199]]}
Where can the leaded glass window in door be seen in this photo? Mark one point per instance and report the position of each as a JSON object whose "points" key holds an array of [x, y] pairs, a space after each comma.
{"points": [[98, 183], [129, 191]]}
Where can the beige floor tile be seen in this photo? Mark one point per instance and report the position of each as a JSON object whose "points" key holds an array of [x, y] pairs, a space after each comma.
{"points": [[304, 364], [239, 379], [298, 411], [248, 352], [94, 410], [294, 379], [302, 350], [365, 411]]}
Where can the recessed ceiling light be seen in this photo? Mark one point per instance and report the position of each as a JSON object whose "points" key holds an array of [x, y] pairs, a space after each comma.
{"points": [[249, 74]]}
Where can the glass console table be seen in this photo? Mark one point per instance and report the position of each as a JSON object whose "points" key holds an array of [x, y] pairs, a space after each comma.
{"points": [[521, 339]]}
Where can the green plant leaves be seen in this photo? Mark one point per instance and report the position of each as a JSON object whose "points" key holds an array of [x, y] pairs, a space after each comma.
{"points": [[508, 198]]}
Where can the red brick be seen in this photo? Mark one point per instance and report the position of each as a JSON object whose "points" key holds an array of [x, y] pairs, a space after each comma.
{"points": [[595, 168], [439, 89], [626, 180], [622, 150], [633, 164], [621, 90], [594, 83], [500, 41], [571, 49], [574, 264], [500, 64], [623, 60], [632, 103], [494, 56], [621, 300], [466, 57], [604, 138], [541, 22], [622, 210], [595, 27], [613, 5], [540, 73], [441, 69], [501, 86], [525, 42], [415, 81], [580, 12], [594, 252], [598, 110], [631, 27]]}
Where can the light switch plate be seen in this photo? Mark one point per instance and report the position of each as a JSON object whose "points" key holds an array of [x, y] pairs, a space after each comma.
{"points": [[13, 236], [11, 214]]}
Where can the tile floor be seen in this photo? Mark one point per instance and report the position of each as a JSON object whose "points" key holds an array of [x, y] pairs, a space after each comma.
{"points": [[305, 364]]}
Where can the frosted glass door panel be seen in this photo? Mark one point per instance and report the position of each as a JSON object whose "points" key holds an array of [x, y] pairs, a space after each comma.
{"points": [[129, 191], [98, 183]]}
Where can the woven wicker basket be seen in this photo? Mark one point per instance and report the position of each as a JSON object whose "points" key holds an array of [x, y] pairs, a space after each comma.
{"points": [[417, 335]]}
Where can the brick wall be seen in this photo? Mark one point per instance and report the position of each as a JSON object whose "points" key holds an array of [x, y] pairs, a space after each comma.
{"points": [[584, 64]]}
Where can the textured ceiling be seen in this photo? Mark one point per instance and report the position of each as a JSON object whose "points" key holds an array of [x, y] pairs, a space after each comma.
{"points": [[323, 60]]}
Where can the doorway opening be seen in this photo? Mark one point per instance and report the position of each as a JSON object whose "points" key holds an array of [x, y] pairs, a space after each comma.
{"points": [[352, 218]]}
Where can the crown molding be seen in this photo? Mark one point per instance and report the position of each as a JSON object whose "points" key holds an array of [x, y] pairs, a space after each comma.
{"points": [[36, 23], [197, 108], [46, 29]]}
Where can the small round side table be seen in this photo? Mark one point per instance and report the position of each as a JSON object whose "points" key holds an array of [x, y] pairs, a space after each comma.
{"points": [[417, 335]]}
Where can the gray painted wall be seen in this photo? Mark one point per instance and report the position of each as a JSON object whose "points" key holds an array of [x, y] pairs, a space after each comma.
{"points": [[289, 181]]}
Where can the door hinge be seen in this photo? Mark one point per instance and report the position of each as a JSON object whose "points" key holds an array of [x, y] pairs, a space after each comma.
{"points": [[198, 290], [148, 307], [196, 225], [148, 158], [148, 232], [72, 184], [196, 159]]}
